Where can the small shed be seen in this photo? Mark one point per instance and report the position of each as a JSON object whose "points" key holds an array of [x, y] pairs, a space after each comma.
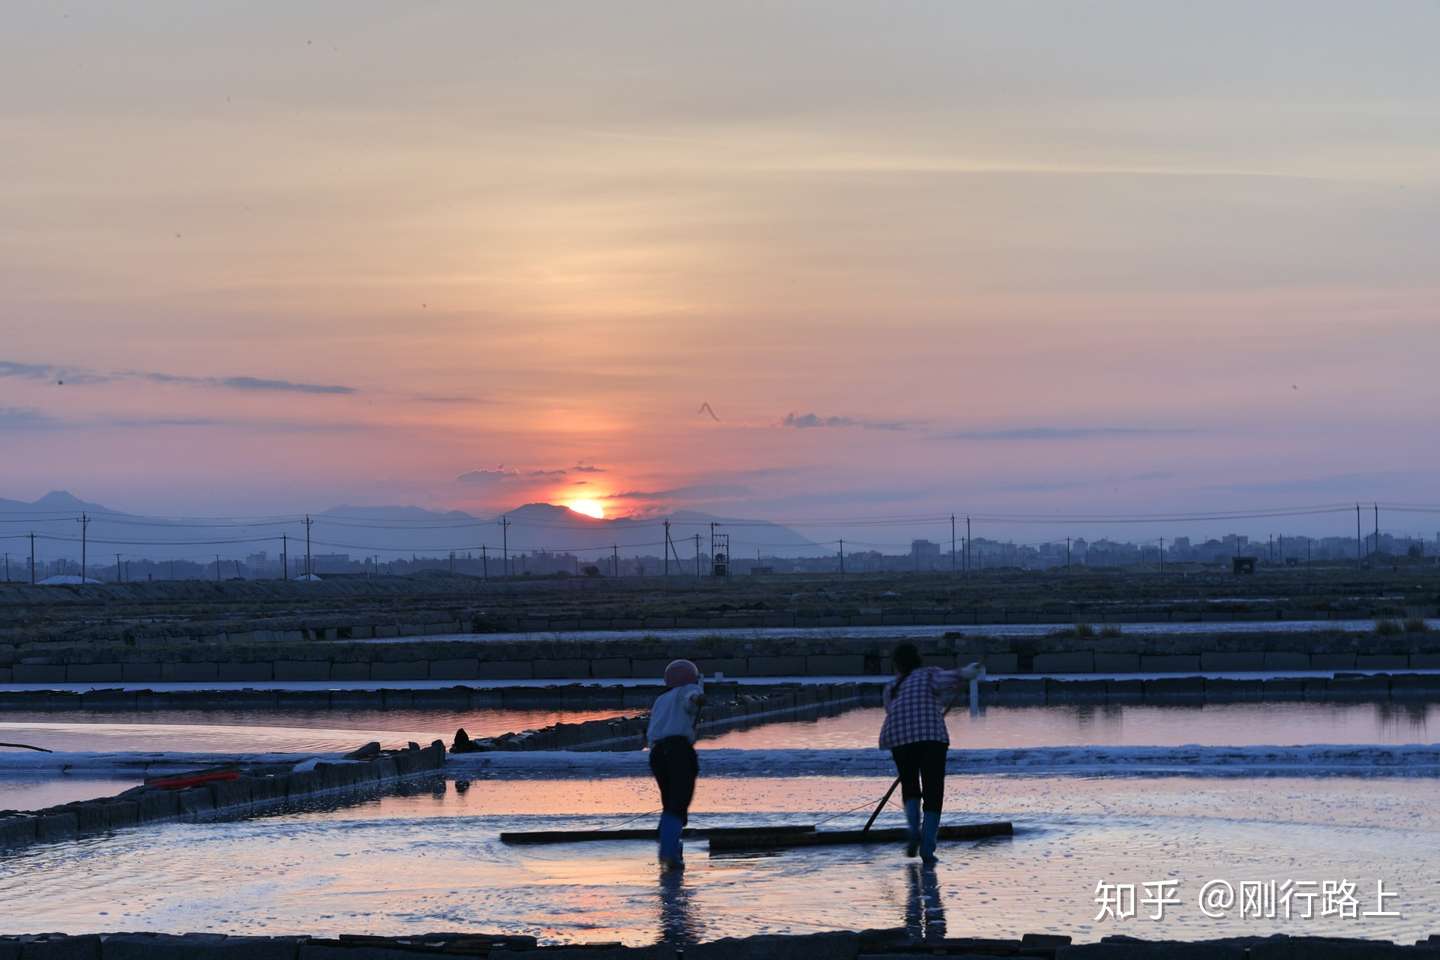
{"points": [[1242, 565]]}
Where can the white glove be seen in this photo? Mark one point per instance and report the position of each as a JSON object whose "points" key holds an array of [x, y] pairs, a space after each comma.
{"points": [[971, 670]]}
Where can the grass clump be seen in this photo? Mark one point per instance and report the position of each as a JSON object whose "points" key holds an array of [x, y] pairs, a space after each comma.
{"points": [[1084, 630], [1110, 630], [1388, 628], [1416, 625]]}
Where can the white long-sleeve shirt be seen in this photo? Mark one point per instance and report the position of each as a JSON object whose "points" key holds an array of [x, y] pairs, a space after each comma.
{"points": [[674, 713]]}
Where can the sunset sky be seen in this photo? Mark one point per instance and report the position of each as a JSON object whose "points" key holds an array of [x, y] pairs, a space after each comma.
{"points": [[1026, 256]]}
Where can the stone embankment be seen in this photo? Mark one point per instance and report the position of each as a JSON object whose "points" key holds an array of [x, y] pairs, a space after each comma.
{"points": [[254, 789], [727, 707], [244, 658], [867, 945]]}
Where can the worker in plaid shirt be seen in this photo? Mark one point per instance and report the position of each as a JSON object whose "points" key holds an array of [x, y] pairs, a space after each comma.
{"points": [[914, 733]]}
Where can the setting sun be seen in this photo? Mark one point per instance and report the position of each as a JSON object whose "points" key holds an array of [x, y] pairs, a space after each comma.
{"points": [[590, 508]]}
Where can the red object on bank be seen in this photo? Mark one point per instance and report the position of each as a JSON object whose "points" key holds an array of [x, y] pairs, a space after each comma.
{"points": [[193, 780]]}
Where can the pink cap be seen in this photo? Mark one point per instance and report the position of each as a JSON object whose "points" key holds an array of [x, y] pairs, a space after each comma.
{"points": [[681, 672]]}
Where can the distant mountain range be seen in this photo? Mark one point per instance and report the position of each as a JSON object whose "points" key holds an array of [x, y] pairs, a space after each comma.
{"points": [[390, 531]]}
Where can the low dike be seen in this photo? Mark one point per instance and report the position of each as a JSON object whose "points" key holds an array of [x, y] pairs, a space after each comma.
{"points": [[841, 945], [249, 658], [255, 790]]}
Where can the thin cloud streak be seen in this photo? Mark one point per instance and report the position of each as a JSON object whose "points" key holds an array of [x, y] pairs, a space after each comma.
{"points": [[809, 421], [49, 371], [1066, 433]]}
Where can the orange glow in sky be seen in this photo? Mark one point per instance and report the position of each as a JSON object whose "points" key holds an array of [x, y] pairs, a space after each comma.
{"points": [[590, 508]]}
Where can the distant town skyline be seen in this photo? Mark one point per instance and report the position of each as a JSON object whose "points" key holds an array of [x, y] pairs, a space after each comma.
{"points": [[775, 261]]}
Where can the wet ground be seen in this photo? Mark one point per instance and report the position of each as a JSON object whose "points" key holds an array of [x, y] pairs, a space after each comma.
{"points": [[432, 860]]}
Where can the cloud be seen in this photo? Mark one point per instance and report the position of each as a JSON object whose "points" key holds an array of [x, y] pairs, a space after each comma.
{"points": [[499, 475], [808, 421], [1065, 433], [504, 474], [699, 491], [25, 418], [587, 468], [48, 371]]}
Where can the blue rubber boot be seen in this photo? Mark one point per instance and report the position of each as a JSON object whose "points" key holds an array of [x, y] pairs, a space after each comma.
{"points": [[912, 826], [929, 834], [671, 851]]}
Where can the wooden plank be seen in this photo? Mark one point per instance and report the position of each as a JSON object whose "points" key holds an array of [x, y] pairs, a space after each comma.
{"points": [[648, 833], [775, 840]]}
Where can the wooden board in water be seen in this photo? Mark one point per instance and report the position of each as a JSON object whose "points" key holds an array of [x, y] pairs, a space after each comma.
{"points": [[775, 840], [648, 833]]}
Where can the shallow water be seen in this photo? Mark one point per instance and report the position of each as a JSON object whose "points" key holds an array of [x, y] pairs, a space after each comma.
{"points": [[1120, 725], [282, 731], [34, 793], [430, 861]]}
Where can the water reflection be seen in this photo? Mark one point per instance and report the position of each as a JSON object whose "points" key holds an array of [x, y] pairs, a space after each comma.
{"points": [[924, 909], [678, 925]]}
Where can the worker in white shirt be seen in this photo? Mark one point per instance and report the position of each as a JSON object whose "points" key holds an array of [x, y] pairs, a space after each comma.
{"points": [[671, 738]]}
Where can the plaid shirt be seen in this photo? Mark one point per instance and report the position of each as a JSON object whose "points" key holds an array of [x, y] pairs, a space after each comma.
{"points": [[913, 711]]}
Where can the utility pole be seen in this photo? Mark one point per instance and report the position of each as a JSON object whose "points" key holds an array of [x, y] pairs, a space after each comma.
{"points": [[217, 568], [32, 557], [7, 567], [1067, 553], [952, 544], [615, 558], [697, 556], [1162, 554], [967, 544], [452, 562], [1359, 548], [284, 557], [667, 548], [484, 563], [505, 542], [1377, 529], [119, 573], [309, 570], [842, 557], [84, 522]]}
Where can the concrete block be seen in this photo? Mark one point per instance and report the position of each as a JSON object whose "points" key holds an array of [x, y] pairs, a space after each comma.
{"points": [[730, 666], [1228, 690], [773, 666], [449, 697], [1117, 662], [835, 665], [1232, 662], [1168, 663], [649, 668], [505, 670], [194, 802], [1359, 688], [122, 813], [302, 669], [1426, 686], [17, 831], [350, 670], [228, 794], [110, 700], [56, 823], [1112, 949], [611, 667], [1012, 691], [1125, 691], [157, 805], [152, 946], [1076, 691], [93, 673], [90, 817], [301, 784], [1080, 661], [39, 672], [561, 669], [1332, 661], [7, 674], [296, 699], [1282, 660], [1425, 661], [142, 671], [181, 672], [464, 668], [62, 948], [400, 670], [239, 672], [1177, 688], [1382, 661], [1001, 662]]}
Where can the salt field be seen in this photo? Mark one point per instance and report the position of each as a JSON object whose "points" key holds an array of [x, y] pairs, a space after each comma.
{"points": [[1120, 725], [269, 730], [432, 860]]}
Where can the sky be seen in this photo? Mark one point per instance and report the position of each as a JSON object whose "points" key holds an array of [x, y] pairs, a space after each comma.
{"points": [[1032, 258]]}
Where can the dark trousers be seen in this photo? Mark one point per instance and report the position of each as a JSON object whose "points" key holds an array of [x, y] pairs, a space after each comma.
{"points": [[675, 766], [922, 762]]}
